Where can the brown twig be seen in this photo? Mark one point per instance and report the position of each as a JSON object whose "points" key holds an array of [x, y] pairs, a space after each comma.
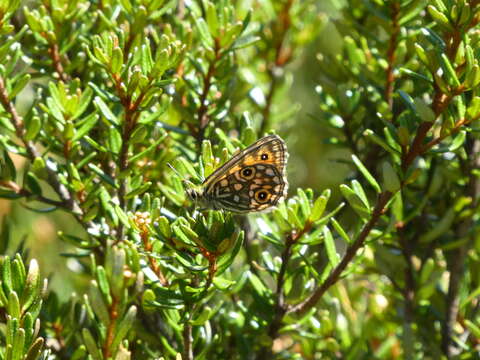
{"points": [[212, 267], [131, 119], [417, 145], [113, 313], [53, 49], [57, 329], [66, 198], [188, 338], [440, 99], [280, 305], [57, 62], [202, 115], [123, 164], [347, 132], [456, 264], [392, 46], [143, 221], [282, 57], [26, 193], [336, 273], [408, 291]]}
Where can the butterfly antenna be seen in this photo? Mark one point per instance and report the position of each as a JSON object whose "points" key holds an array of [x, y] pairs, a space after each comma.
{"points": [[174, 170], [185, 181]]}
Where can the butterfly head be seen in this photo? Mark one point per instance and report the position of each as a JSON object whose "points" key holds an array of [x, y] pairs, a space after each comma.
{"points": [[197, 196], [194, 194]]}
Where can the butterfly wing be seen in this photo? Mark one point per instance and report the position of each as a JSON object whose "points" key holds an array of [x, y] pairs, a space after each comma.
{"points": [[253, 180]]}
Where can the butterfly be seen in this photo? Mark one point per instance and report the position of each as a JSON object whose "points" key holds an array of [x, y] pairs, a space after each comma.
{"points": [[252, 180]]}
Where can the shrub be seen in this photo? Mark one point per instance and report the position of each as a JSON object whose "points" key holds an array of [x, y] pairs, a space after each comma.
{"points": [[99, 98]]}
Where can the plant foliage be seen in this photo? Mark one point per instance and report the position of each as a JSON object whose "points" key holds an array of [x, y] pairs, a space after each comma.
{"points": [[98, 98]]}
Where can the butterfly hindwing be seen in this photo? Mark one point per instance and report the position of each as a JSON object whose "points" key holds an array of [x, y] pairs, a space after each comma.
{"points": [[253, 180], [263, 188]]}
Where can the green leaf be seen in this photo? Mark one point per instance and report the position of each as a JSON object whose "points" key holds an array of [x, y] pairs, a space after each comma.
{"points": [[369, 177], [415, 75], [332, 255], [13, 306], [98, 302], [86, 125], [205, 35], [427, 270], [96, 145], [358, 189], [458, 141], [434, 38], [318, 208], [212, 19], [204, 315], [32, 183], [379, 141], [82, 104], [103, 284], [422, 54], [116, 61], [18, 345], [304, 203], [115, 270], [390, 177], [33, 126], [357, 204], [424, 111], [105, 111], [473, 110], [440, 228], [145, 152], [19, 273], [164, 227], [114, 140], [439, 17], [258, 285], [19, 85], [32, 285], [91, 345], [123, 327], [293, 218], [122, 216], [245, 41], [472, 78], [407, 99], [181, 235], [341, 231], [207, 158], [29, 326], [450, 73], [474, 328], [102, 175], [7, 167], [35, 350]]}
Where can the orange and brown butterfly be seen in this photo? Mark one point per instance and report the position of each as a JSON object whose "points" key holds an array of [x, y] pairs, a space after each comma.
{"points": [[252, 180]]}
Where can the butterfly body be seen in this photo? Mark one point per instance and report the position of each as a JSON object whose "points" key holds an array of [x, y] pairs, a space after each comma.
{"points": [[253, 180]]}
